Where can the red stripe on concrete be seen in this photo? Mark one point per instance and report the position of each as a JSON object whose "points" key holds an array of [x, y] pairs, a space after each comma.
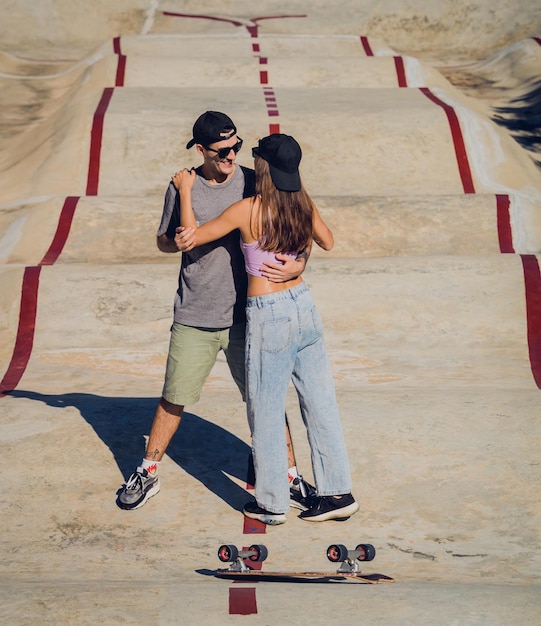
{"points": [[62, 231], [458, 140], [242, 601], [532, 285], [253, 527], [121, 65], [366, 46], [505, 234], [202, 17], [95, 142], [400, 71], [25, 332], [274, 129]]}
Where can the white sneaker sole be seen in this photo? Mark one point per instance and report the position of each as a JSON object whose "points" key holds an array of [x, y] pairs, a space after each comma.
{"points": [[337, 514]]}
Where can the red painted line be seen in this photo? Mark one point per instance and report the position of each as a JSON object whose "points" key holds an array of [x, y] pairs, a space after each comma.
{"points": [[276, 17], [264, 77], [25, 332], [62, 231], [242, 601], [95, 142], [400, 71], [505, 234], [202, 17], [121, 66], [366, 47], [253, 527], [274, 129], [532, 284], [458, 140]]}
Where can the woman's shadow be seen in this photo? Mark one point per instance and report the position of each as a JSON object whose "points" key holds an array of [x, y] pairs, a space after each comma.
{"points": [[204, 450]]}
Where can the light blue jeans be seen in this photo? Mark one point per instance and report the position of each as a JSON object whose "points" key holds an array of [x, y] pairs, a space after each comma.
{"points": [[284, 342]]}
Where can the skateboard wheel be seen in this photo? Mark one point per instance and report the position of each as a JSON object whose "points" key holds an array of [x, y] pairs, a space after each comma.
{"points": [[367, 552], [261, 553], [337, 553], [228, 553]]}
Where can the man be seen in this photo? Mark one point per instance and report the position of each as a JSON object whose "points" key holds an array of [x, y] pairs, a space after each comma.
{"points": [[209, 309]]}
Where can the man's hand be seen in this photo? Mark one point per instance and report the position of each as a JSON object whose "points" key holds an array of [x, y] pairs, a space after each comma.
{"points": [[185, 239], [284, 269]]}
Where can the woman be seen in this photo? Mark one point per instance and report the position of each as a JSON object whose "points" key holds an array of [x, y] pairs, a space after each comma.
{"points": [[284, 334]]}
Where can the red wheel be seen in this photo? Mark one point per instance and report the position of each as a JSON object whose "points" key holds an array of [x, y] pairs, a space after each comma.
{"points": [[261, 553], [367, 550], [337, 553], [228, 553]]}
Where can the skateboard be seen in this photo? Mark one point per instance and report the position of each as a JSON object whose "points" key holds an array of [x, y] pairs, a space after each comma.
{"points": [[348, 571]]}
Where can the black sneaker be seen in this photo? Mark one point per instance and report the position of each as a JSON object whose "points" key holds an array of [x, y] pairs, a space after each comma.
{"points": [[301, 494], [138, 489], [253, 511], [328, 507]]}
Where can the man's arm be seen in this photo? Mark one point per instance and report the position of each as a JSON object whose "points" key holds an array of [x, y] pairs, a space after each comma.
{"points": [[288, 269], [165, 244]]}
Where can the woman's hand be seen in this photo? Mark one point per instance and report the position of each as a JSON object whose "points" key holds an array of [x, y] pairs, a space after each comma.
{"points": [[185, 238], [184, 179]]}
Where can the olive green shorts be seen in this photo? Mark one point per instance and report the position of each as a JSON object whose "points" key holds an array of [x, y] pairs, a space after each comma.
{"points": [[192, 354]]}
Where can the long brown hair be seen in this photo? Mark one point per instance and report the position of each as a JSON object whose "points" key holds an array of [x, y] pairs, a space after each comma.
{"points": [[285, 217]]}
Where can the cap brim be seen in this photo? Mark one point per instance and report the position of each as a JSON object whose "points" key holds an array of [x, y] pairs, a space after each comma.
{"points": [[190, 143]]}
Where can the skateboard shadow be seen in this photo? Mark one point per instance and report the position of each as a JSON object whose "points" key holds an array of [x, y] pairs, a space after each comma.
{"points": [[204, 450]]}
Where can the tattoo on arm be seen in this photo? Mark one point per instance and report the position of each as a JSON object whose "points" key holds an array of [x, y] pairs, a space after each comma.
{"points": [[153, 455]]}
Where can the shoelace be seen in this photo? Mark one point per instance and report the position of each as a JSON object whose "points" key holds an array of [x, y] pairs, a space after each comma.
{"points": [[135, 480]]}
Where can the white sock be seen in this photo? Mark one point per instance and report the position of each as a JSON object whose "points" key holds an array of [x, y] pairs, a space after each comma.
{"points": [[150, 466], [292, 474]]}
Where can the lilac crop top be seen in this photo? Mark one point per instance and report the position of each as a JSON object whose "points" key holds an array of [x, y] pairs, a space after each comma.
{"points": [[254, 257]]}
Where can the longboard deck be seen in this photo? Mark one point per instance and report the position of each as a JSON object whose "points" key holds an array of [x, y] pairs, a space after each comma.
{"points": [[306, 577]]}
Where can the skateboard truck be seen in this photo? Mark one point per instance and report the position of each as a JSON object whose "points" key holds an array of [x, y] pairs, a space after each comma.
{"points": [[231, 554], [349, 558]]}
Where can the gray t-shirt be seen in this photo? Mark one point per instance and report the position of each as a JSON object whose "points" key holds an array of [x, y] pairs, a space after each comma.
{"points": [[212, 280]]}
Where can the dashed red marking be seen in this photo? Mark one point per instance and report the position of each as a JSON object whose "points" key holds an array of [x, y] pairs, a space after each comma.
{"points": [[242, 601], [532, 284]]}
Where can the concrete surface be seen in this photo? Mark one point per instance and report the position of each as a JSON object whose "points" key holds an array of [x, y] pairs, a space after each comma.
{"points": [[406, 113]]}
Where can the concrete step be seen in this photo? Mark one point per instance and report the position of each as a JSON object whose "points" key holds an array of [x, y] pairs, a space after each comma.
{"points": [[410, 322], [122, 229]]}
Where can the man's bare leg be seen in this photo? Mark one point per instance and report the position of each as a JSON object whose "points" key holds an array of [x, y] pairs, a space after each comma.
{"points": [[164, 425], [144, 482]]}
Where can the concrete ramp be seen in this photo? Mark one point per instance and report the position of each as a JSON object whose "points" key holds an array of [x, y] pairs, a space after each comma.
{"points": [[431, 303]]}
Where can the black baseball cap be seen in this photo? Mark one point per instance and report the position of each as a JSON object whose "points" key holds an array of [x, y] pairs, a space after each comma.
{"points": [[210, 127], [283, 154]]}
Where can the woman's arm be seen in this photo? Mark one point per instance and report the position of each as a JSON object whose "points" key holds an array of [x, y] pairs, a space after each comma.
{"points": [[192, 235], [322, 233]]}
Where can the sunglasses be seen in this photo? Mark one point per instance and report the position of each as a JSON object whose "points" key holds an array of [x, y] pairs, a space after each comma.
{"points": [[224, 152]]}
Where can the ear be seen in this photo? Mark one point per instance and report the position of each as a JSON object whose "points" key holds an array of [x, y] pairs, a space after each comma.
{"points": [[199, 149]]}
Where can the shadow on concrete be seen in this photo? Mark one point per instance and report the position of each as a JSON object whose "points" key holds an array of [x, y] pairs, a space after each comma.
{"points": [[204, 450]]}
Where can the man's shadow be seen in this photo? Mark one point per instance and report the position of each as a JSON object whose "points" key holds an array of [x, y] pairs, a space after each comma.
{"points": [[204, 450]]}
